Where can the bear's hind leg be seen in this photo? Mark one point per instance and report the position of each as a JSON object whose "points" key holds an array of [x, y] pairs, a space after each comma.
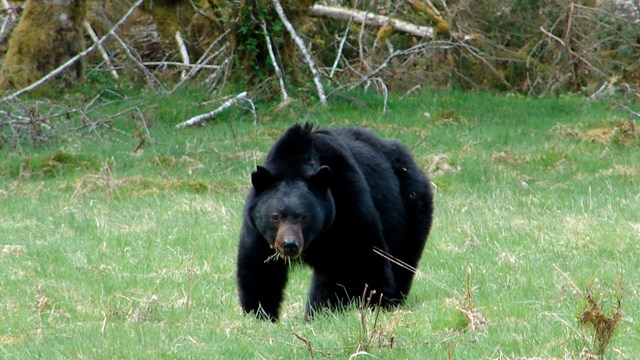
{"points": [[325, 294]]}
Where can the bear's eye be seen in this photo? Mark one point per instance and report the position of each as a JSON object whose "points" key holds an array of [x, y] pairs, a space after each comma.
{"points": [[275, 217], [304, 219]]}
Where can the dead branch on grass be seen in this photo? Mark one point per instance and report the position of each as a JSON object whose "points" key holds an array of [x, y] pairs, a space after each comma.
{"points": [[210, 115]]}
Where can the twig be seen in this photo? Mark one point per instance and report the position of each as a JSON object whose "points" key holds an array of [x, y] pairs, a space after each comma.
{"points": [[9, 20], [575, 287], [602, 90], [276, 68], [394, 260], [385, 93], [221, 75], [303, 49], [74, 59], [340, 48], [205, 58], [12, 13], [151, 79], [183, 53], [179, 64], [411, 91], [200, 118], [306, 342], [634, 113], [103, 52], [360, 43], [104, 322], [144, 124], [564, 45], [473, 53], [412, 50]]}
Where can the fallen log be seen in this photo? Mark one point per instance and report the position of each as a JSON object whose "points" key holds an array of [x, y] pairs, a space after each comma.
{"points": [[340, 13]]}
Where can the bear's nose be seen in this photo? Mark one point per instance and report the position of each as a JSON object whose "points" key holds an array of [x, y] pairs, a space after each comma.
{"points": [[291, 246]]}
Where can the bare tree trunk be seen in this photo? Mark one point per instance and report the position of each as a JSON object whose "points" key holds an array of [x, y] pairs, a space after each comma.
{"points": [[48, 34]]}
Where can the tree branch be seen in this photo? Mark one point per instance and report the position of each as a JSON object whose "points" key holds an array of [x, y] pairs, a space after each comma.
{"points": [[303, 49], [183, 53], [103, 52], [274, 62]]}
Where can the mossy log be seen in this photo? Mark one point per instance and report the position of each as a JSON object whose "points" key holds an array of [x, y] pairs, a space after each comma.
{"points": [[48, 34]]}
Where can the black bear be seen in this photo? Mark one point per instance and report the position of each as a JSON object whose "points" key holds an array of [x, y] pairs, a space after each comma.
{"points": [[353, 206]]}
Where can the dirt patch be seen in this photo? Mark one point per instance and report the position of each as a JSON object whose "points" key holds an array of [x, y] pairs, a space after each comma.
{"points": [[623, 132]]}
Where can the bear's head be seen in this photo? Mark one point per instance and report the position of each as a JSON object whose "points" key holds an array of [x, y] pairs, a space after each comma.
{"points": [[290, 212]]}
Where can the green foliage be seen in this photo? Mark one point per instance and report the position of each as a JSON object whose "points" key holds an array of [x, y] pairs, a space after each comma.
{"points": [[120, 254]]}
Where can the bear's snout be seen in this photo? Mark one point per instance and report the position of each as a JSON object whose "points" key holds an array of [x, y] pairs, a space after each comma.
{"points": [[291, 246], [289, 241]]}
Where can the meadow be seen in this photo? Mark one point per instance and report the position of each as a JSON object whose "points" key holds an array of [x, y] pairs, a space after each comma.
{"points": [[118, 240]]}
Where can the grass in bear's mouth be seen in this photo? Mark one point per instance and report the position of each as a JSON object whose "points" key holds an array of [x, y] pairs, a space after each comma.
{"points": [[138, 260], [276, 256]]}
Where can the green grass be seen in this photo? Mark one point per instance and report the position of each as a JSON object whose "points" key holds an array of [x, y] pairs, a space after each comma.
{"points": [[110, 254]]}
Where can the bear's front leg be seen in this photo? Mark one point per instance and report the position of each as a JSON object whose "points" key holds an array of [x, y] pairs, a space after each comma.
{"points": [[261, 281]]}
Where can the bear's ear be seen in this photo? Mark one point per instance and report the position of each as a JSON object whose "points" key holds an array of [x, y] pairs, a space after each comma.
{"points": [[261, 179], [321, 180]]}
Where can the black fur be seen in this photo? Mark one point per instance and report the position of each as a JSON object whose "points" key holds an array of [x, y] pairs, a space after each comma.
{"points": [[344, 192]]}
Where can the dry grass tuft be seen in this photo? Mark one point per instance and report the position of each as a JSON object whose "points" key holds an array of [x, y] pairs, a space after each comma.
{"points": [[604, 326], [104, 180], [506, 157], [441, 165], [136, 310], [619, 170], [372, 335], [43, 303], [13, 250], [447, 117]]}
